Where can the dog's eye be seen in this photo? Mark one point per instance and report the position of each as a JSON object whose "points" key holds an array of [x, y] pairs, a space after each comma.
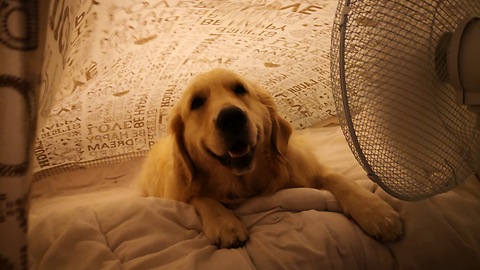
{"points": [[197, 102], [239, 89]]}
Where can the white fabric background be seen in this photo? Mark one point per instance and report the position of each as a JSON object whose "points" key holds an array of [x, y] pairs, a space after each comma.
{"points": [[115, 68]]}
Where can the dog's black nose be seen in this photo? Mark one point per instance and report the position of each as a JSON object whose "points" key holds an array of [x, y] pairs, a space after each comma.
{"points": [[231, 119]]}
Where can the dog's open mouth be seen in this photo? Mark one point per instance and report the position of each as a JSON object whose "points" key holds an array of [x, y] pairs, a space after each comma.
{"points": [[239, 149], [239, 156]]}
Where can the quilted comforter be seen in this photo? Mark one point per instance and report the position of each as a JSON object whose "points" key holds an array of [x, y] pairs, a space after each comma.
{"points": [[93, 219]]}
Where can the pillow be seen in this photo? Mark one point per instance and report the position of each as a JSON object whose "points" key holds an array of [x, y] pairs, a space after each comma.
{"points": [[114, 69]]}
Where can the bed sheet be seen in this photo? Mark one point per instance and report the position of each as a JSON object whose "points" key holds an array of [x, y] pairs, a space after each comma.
{"points": [[94, 219]]}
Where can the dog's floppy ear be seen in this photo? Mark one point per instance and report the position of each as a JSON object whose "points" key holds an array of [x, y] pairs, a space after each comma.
{"points": [[281, 129], [183, 162]]}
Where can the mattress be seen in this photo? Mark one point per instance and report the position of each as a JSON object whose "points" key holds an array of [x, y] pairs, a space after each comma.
{"points": [[94, 219]]}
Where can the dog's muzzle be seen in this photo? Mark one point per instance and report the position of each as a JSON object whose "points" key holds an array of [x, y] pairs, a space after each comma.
{"points": [[231, 124]]}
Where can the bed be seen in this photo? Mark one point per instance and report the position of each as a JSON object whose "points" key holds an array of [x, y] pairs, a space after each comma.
{"points": [[111, 72], [97, 221]]}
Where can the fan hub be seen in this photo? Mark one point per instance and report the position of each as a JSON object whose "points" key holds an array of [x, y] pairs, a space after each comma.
{"points": [[463, 61]]}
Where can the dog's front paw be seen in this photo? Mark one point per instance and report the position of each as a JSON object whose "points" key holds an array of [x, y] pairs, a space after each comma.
{"points": [[378, 219], [226, 232]]}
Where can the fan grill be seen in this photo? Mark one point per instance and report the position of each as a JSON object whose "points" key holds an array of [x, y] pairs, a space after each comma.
{"points": [[406, 129]]}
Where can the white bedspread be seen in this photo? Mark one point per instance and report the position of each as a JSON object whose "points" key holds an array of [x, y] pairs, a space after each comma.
{"points": [[93, 219]]}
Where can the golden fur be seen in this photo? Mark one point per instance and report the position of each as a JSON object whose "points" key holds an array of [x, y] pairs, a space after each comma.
{"points": [[227, 143]]}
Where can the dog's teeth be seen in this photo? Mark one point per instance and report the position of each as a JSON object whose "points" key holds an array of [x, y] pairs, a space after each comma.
{"points": [[240, 154], [235, 155]]}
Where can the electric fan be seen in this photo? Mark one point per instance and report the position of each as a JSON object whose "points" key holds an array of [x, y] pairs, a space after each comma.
{"points": [[406, 83]]}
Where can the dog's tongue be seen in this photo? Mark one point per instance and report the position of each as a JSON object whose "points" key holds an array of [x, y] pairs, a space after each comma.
{"points": [[239, 149]]}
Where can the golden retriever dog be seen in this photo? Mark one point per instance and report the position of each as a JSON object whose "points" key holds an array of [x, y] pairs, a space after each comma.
{"points": [[227, 143]]}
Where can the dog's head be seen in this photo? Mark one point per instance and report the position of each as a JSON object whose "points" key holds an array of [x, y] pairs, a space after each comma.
{"points": [[222, 119]]}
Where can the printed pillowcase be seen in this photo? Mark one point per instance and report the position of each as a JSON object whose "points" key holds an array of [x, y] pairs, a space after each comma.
{"points": [[115, 68]]}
